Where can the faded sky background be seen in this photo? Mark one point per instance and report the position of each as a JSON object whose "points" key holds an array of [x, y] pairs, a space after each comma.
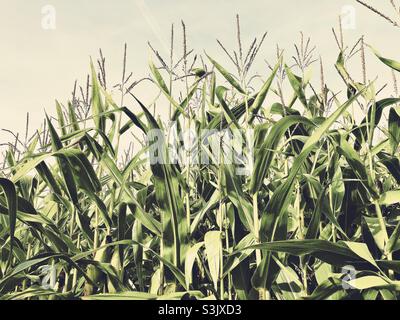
{"points": [[38, 66]]}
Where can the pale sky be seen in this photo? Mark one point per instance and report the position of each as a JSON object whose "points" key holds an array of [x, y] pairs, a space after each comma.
{"points": [[38, 66]]}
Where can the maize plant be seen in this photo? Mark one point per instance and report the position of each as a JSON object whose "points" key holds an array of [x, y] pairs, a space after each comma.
{"points": [[301, 201]]}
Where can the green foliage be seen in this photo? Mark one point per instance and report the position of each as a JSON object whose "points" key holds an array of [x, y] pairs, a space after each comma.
{"points": [[323, 193]]}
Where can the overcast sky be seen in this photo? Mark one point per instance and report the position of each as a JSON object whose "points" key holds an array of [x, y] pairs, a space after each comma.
{"points": [[38, 65]]}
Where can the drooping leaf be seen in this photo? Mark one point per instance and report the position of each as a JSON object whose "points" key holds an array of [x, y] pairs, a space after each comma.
{"points": [[212, 242]]}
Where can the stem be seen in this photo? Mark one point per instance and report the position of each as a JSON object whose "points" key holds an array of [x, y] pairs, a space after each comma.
{"points": [[331, 196], [96, 230], [382, 225], [381, 220], [229, 275], [262, 293], [221, 257], [75, 271], [256, 227], [122, 104], [72, 225], [300, 215], [162, 271], [185, 67]]}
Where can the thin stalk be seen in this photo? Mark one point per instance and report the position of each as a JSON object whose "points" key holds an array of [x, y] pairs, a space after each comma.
{"points": [[171, 66], [65, 288], [334, 235], [188, 122], [300, 216], [382, 225], [227, 248], [75, 271], [28, 256], [162, 268], [256, 227], [221, 257], [220, 208], [262, 293], [121, 103], [96, 229], [72, 223]]}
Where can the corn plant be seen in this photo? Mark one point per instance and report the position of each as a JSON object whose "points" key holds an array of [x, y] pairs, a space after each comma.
{"points": [[308, 208]]}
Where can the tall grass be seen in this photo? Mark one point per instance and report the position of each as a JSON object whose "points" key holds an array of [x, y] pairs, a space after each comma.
{"points": [[84, 216]]}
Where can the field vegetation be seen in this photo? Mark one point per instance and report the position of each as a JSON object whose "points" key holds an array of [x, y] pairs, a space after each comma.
{"points": [[85, 214]]}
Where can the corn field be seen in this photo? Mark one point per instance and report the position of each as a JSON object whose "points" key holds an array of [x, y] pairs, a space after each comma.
{"points": [[303, 205]]}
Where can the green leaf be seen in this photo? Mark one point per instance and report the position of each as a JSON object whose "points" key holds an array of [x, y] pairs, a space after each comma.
{"points": [[297, 85], [394, 129], [338, 254], [220, 95], [97, 103], [357, 165], [226, 75], [389, 197], [373, 118], [236, 195], [63, 164], [161, 83], [213, 245], [376, 231], [389, 62], [265, 154], [393, 244], [279, 202], [175, 228], [326, 289], [361, 250], [368, 282], [263, 93], [60, 116], [11, 197], [191, 256]]}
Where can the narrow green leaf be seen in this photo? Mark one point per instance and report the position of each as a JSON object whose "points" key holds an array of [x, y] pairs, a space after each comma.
{"points": [[227, 75], [212, 241]]}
